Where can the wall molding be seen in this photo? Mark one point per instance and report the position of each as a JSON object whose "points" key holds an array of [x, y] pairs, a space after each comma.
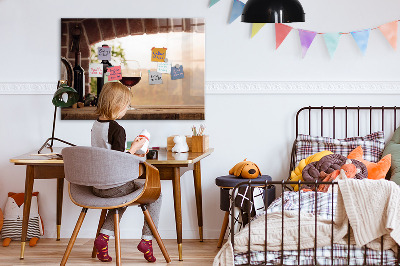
{"points": [[251, 87], [303, 87]]}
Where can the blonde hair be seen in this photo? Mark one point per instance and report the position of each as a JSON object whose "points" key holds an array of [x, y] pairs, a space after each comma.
{"points": [[113, 98]]}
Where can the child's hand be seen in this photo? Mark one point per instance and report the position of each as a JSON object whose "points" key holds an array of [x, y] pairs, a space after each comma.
{"points": [[142, 155], [137, 144]]}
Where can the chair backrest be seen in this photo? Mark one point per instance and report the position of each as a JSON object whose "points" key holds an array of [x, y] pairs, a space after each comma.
{"points": [[92, 166]]}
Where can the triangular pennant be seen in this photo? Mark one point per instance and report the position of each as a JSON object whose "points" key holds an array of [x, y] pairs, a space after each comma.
{"points": [[332, 41], [237, 9], [361, 37], [213, 2], [281, 31], [255, 28], [389, 30], [306, 39]]}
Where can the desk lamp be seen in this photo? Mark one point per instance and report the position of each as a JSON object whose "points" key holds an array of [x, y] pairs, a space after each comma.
{"points": [[273, 11], [65, 96]]}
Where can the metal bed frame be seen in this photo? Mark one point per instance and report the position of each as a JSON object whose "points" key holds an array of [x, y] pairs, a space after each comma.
{"points": [[283, 184]]}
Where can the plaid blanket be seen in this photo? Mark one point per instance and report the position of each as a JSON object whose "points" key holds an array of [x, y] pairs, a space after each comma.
{"points": [[323, 205]]}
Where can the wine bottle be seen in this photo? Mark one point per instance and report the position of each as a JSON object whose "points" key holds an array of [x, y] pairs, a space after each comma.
{"points": [[100, 80], [79, 77]]}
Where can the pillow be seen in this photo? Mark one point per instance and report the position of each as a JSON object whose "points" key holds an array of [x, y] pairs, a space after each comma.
{"points": [[372, 144], [375, 170], [393, 148], [296, 174]]}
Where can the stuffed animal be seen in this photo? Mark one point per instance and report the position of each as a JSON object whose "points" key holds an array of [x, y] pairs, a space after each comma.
{"points": [[1, 220], [180, 144], [13, 215], [245, 169]]}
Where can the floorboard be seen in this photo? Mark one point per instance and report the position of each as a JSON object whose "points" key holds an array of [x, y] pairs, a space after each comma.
{"points": [[50, 252]]}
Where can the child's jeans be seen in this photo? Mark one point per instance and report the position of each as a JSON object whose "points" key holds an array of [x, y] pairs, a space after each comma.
{"points": [[154, 208]]}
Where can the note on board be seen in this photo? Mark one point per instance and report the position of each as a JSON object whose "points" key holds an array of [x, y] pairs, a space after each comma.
{"points": [[155, 78], [96, 70], [104, 53], [115, 73], [177, 72], [164, 67], [158, 54]]}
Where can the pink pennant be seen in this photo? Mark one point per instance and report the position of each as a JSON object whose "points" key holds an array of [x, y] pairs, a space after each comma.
{"points": [[281, 31], [389, 30], [306, 39]]}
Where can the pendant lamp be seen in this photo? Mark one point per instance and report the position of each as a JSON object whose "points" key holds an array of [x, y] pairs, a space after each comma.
{"points": [[273, 11], [64, 96]]}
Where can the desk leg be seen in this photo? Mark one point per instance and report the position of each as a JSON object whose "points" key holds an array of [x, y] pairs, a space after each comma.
{"points": [[199, 205], [27, 206], [60, 190], [176, 182]]}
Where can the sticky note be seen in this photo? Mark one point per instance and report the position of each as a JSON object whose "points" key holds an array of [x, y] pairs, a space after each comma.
{"points": [[158, 54], [163, 67], [104, 53], [155, 77], [115, 73], [96, 70], [177, 72]]}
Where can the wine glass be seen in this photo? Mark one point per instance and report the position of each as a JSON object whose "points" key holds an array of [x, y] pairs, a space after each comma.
{"points": [[131, 75]]}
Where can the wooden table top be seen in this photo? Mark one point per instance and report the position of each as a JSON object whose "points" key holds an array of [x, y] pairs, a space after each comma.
{"points": [[164, 157]]}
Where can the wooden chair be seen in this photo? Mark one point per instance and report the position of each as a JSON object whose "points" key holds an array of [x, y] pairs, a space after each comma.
{"points": [[85, 167]]}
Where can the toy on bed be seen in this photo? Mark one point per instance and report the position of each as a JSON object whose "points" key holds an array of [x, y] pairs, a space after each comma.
{"points": [[245, 169], [13, 215]]}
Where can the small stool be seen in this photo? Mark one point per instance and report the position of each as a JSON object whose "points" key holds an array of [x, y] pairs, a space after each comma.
{"points": [[228, 182]]}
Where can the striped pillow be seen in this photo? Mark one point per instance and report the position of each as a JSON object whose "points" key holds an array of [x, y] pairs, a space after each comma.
{"points": [[372, 145]]}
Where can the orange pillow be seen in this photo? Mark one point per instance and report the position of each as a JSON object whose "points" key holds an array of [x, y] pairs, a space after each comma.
{"points": [[375, 170]]}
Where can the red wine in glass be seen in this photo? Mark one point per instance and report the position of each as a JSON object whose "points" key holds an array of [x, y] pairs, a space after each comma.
{"points": [[130, 81]]}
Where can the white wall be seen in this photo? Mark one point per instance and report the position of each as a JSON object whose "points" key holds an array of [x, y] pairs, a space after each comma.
{"points": [[259, 127]]}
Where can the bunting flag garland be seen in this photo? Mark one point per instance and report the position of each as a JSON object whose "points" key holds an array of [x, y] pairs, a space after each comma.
{"points": [[281, 31], [306, 39], [361, 37], [256, 27], [237, 9], [213, 2], [389, 30], [332, 41]]}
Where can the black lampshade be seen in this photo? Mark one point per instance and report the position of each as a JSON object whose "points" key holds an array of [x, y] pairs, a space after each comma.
{"points": [[273, 11]]}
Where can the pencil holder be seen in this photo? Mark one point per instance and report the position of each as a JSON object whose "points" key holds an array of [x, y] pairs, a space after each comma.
{"points": [[200, 143]]}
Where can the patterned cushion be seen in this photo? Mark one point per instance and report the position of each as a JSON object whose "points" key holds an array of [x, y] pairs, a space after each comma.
{"points": [[372, 144]]}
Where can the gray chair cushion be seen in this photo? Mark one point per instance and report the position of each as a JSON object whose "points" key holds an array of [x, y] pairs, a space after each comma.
{"points": [[83, 195]]}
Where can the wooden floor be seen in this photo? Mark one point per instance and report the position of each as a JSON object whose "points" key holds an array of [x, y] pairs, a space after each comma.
{"points": [[50, 252]]}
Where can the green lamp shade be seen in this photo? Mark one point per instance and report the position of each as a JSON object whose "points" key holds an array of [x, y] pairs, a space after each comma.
{"points": [[65, 96]]}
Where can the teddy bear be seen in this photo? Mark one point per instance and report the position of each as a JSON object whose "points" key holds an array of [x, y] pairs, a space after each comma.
{"points": [[180, 144], [245, 169], [13, 215]]}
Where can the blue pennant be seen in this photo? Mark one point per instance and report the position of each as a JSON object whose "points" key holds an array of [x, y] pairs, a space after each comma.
{"points": [[237, 9], [361, 38]]}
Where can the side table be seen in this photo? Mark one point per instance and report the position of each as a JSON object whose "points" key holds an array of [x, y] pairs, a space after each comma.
{"points": [[228, 182]]}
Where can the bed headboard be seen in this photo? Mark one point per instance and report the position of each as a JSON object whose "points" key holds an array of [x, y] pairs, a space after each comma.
{"points": [[344, 121]]}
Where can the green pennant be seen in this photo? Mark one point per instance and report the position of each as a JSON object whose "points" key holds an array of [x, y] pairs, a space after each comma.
{"points": [[213, 2]]}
